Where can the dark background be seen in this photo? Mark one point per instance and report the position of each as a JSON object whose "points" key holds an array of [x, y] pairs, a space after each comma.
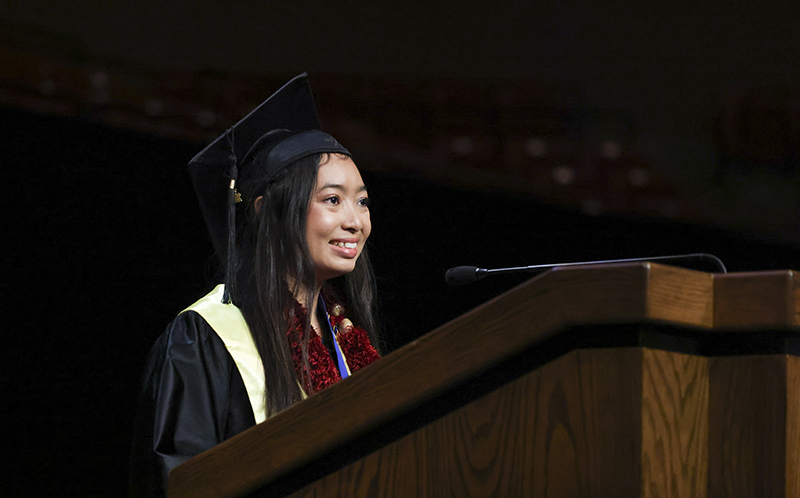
{"points": [[104, 243]]}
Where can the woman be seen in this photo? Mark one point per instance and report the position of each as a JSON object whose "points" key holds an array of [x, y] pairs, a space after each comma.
{"points": [[291, 218]]}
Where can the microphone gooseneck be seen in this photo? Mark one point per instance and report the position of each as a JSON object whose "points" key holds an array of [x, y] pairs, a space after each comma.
{"points": [[462, 275]]}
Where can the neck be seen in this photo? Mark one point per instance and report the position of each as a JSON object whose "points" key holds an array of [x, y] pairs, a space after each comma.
{"points": [[302, 296]]}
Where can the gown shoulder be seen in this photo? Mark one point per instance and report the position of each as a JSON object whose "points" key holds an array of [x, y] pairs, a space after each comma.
{"points": [[192, 399]]}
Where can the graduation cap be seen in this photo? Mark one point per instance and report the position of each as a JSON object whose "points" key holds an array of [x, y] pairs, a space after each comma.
{"points": [[280, 131]]}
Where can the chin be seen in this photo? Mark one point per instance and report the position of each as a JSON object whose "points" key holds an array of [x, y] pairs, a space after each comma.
{"points": [[332, 273], [345, 271]]}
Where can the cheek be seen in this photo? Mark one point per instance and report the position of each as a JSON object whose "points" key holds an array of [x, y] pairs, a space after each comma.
{"points": [[318, 223]]}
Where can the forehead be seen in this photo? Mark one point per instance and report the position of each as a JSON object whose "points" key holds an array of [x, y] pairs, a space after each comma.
{"points": [[339, 171]]}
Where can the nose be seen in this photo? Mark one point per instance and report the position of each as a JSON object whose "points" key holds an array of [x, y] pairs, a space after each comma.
{"points": [[351, 221]]}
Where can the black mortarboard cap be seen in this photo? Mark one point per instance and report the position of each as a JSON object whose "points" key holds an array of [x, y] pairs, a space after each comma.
{"points": [[283, 129]]}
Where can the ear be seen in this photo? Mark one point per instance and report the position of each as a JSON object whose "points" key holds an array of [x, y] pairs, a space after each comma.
{"points": [[257, 203]]}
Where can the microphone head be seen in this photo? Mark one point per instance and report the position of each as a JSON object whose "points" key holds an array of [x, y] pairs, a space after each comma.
{"points": [[462, 275]]}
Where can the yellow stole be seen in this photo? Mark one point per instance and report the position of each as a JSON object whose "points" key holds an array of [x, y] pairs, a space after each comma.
{"points": [[229, 324]]}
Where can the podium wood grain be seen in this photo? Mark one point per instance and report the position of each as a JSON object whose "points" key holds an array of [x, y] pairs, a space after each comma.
{"points": [[754, 439], [764, 299], [588, 424]]}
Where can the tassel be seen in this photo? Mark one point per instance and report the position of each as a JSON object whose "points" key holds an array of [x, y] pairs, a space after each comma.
{"points": [[230, 266]]}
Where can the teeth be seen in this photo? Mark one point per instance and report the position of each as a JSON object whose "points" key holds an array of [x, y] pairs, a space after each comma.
{"points": [[347, 245]]}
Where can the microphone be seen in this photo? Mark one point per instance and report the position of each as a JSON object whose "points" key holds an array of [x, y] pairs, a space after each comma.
{"points": [[462, 275]]}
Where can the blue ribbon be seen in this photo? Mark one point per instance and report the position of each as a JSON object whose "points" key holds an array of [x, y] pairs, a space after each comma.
{"points": [[334, 332]]}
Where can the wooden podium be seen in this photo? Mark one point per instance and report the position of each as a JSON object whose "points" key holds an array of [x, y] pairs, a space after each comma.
{"points": [[605, 381]]}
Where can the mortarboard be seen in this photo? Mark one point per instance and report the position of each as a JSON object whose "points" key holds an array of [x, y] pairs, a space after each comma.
{"points": [[283, 129]]}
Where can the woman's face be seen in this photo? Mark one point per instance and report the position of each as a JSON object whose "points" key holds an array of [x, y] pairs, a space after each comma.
{"points": [[338, 218]]}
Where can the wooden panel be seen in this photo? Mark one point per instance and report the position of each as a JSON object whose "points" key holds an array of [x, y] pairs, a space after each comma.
{"points": [[756, 299], [793, 426], [571, 428], [576, 427], [681, 296], [675, 424], [747, 432]]}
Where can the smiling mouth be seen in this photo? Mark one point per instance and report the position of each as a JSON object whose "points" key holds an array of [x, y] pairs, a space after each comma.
{"points": [[346, 245]]}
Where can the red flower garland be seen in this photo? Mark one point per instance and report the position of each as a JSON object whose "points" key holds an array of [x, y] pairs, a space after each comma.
{"points": [[355, 345], [322, 372]]}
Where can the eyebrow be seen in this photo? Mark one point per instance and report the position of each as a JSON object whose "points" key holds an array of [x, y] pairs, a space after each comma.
{"points": [[339, 186]]}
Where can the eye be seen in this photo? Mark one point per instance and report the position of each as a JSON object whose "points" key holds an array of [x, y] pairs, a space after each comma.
{"points": [[364, 202], [334, 199]]}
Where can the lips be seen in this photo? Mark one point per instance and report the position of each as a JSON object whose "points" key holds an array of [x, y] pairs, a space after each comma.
{"points": [[346, 248]]}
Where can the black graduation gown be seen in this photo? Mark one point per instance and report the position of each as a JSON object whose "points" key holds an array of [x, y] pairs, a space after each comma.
{"points": [[192, 399]]}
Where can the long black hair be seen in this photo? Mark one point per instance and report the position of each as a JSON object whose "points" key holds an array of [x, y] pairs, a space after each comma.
{"points": [[276, 268]]}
